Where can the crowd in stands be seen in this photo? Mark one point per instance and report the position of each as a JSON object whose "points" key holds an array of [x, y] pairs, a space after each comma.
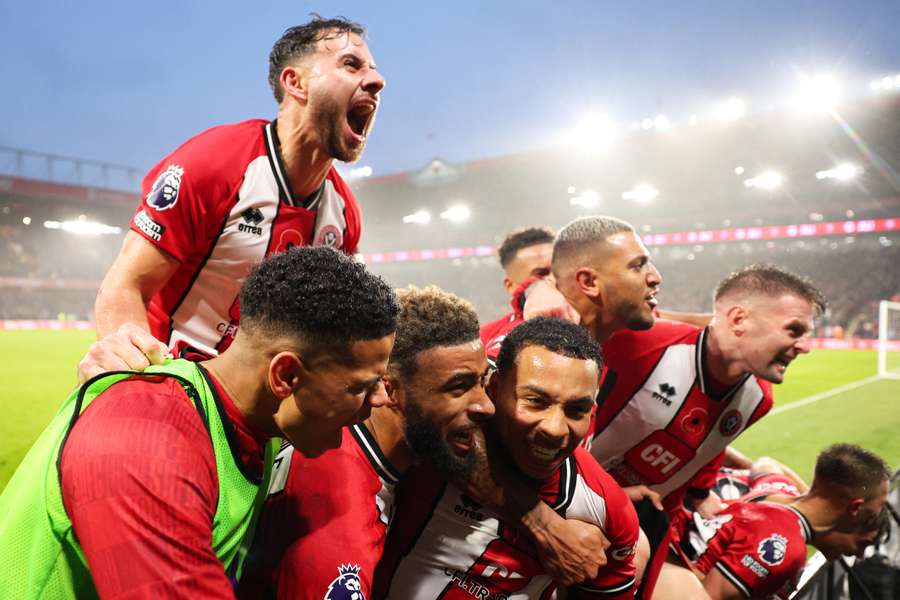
{"points": [[63, 270]]}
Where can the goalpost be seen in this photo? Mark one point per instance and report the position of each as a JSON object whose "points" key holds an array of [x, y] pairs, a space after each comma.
{"points": [[889, 339]]}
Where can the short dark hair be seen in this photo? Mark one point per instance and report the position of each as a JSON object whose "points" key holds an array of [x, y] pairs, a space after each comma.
{"points": [[320, 296], [429, 318], [770, 280], [300, 41], [584, 231], [851, 467], [554, 334], [522, 238]]}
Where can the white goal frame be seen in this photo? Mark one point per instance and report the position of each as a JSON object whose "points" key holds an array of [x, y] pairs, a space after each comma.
{"points": [[883, 307]]}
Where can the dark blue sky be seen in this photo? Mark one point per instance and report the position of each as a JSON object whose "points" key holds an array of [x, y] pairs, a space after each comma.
{"points": [[128, 81]]}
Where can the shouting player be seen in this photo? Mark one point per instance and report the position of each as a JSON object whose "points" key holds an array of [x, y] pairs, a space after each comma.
{"points": [[234, 194], [445, 544], [324, 525], [148, 485], [754, 549]]}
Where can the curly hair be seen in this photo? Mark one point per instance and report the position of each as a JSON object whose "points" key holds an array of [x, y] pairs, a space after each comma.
{"points": [[770, 280], [552, 333], [320, 295], [852, 467], [523, 238], [300, 41], [429, 317]]}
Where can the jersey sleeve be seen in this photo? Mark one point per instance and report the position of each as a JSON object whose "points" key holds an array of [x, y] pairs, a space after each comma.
{"points": [[754, 557], [616, 579], [138, 479], [184, 200], [352, 213]]}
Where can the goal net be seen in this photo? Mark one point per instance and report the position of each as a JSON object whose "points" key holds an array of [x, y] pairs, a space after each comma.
{"points": [[889, 339]]}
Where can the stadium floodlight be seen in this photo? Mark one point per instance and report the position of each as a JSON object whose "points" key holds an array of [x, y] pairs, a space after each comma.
{"points": [[731, 110], [843, 172], [82, 227], [887, 83], [647, 123], [26, 220], [457, 213], [739, 170], [587, 199], [661, 122], [570, 189], [768, 180], [643, 193], [692, 121], [593, 132], [817, 94], [421, 217]]}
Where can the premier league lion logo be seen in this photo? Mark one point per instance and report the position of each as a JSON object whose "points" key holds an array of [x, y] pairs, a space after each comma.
{"points": [[164, 194], [772, 549], [346, 586]]}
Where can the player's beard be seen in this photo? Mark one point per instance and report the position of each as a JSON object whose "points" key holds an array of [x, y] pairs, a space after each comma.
{"points": [[429, 445], [330, 120], [635, 318]]}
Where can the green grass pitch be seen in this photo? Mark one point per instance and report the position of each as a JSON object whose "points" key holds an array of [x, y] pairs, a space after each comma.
{"points": [[38, 371]]}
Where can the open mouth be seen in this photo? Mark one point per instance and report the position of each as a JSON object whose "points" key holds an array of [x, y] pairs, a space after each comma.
{"points": [[359, 117], [782, 362], [461, 442], [651, 300], [545, 455]]}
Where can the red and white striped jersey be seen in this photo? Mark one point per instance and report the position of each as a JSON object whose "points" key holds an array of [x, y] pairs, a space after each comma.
{"points": [[219, 204], [324, 523], [760, 547], [657, 422], [445, 545]]}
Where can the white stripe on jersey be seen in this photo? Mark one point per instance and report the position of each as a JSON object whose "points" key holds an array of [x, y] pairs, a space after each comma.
{"points": [[202, 317]]}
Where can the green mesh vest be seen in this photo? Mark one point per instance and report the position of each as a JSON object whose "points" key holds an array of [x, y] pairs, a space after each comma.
{"points": [[39, 555]]}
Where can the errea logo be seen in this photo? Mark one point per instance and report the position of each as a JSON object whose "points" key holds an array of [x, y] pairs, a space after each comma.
{"points": [[665, 394], [251, 217], [469, 508]]}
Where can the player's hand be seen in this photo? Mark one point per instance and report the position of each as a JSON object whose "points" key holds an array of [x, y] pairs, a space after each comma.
{"points": [[130, 348], [544, 300], [636, 493], [571, 551], [710, 506]]}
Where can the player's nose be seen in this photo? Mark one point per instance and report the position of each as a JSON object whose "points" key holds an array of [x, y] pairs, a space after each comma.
{"points": [[373, 82], [480, 407], [802, 345], [654, 278], [378, 397]]}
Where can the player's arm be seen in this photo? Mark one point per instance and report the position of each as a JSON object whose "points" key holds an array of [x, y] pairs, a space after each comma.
{"points": [[139, 271], [735, 459], [766, 465], [695, 319], [720, 588], [700, 494], [138, 480], [570, 551]]}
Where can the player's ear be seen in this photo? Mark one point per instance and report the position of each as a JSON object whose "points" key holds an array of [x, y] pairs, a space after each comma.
{"points": [[854, 506], [509, 286], [736, 317], [392, 389], [294, 82], [285, 374], [588, 282]]}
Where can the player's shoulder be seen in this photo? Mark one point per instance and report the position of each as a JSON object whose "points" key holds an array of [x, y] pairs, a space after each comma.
{"points": [[603, 485], [220, 152], [662, 334]]}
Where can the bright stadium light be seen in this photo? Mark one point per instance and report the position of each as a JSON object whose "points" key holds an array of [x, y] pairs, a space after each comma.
{"points": [[661, 122], [643, 193], [587, 199], [647, 123], [817, 94], [82, 227], [843, 172], [731, 110], [593, 132], [421, 217], [26, 220], [457, 213], [768, 180]]}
